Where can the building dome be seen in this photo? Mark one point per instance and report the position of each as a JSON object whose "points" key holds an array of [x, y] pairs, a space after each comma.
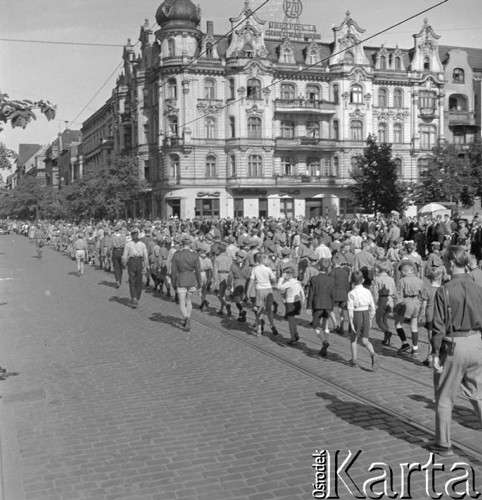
{"points": [[178, 12]]}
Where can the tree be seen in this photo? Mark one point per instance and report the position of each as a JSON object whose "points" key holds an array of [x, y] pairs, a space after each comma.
{"points": [[376, 187], [103, 191], [7, 157], [20, 112], [24, 201]]}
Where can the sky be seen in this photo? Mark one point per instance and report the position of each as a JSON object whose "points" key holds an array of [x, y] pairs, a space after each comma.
{"points": [[70, 75]]}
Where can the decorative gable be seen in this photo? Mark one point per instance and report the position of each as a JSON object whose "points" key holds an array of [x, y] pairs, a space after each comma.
{"points": [[348, 47], [286, 52], [426, 57]]}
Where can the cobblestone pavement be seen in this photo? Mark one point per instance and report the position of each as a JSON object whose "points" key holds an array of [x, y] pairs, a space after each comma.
{"points": [[106, 402]]}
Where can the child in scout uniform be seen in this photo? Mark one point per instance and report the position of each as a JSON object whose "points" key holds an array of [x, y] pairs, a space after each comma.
{"points": [[361, 310], [341, 276], [294, 297], [384, 294], [409, 289], [206, 268], [237, 280]]}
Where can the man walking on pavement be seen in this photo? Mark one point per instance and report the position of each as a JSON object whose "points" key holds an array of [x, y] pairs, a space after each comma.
{"points": [[186, 278], [456, 346], [118, 243], [137, 261]]}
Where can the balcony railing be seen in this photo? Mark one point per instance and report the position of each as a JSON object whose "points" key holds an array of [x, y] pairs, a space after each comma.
{"points": [[305, 106], [305, 142], [461, 117], [318, 180]]}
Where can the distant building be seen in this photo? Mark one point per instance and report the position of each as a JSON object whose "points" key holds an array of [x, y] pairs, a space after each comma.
{"points": [[62, 159]]}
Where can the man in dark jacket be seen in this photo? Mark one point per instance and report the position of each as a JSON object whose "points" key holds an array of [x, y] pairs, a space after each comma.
{"points": [[321, 298], [186, 278]]}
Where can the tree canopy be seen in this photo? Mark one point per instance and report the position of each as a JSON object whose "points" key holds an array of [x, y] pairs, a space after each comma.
{"points": [[377, 188]]}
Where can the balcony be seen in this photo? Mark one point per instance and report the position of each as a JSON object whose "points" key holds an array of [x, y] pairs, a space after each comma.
{"points": [[310, 180], [427, 112], [457, 117], [305, 143], [305, 106], [249, 142], [183, 181], [245, 181]]}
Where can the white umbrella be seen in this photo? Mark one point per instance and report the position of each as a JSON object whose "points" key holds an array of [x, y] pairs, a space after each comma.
{"points": [[431, 208]]}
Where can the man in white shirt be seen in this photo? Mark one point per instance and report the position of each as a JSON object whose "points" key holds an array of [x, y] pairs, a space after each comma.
{"points": [[136, 259]]}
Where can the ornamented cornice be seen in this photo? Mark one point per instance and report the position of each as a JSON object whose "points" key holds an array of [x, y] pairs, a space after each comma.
{"points": [[209, 109], [254, 110], [357, 113]]}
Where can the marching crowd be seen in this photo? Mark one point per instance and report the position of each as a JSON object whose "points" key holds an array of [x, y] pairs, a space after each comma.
{"points": [[346, 273]]}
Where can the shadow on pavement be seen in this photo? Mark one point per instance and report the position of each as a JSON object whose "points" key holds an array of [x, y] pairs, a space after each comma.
{"points": [[107, 283], [4, 376], [168, 320], [464, 416], [121, 300], [3, 303], [74, 273]]}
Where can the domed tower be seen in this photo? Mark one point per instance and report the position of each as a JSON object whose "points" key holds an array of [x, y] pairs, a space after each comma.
{"points": [[178, 34]]}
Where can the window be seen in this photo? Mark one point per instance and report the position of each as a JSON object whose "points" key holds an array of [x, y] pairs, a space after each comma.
{"points": [[238, 207], [398, 63], [173, 129], [457, 102], [312, 58], [287, 207], [248, 50], [349, 58], [398, 98], [426, 99], [232, 166], [383, 62], [422, 165], [286, 56], [209, 49], [287, 129], [382, 98], [313, 129], [174, 167], [313, 167], [356, 127], [313, 93], [211, 166], [355, 160], [255, 166], [253, 89], [428, 135], [287, 167], [210, 128], [209, 89], [336, 94], [206, 207], [356, 94], [172, 88], [397, 133], [458, 75], [231, 89], [287, 91], [336, 167], [263, 207], [254, 127], [336, 130], [399, 165], [171, 47], [382, 132], [426, 63], [232, 127]]}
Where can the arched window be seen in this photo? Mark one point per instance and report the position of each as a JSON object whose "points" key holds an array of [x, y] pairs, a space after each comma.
{"points": [[398, 133], [398, 98], [349, 58], [458, 75], [382, 132], [210, 128], [458, 102], [248, 50], [398, 63], [356, 128], [336, 130], [426, 99], [428, 136], [211, 166], [173, 126], [336, 94], [426, 63], [287, 167], [382, 98], [231, 89], [356, 94], [171, 47], [254, 127], [209, 49], [313, 93], [253, 89], [232, 166], [209, 89], [313, 167], [255, 166], [312, 57], [313, 129], [232, 127], [172, 88], [336, 167], [288, 91], [383, 62], [286, 56], [174, 167], [287, 129], [399, 166]]}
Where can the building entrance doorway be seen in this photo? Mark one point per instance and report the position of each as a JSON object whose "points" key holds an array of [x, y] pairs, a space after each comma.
{"points": [[313, 207]]}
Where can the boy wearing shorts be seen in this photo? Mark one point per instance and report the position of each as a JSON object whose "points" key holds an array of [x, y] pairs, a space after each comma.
{"points": [[294, 298], [428, 304], [361, 311]]}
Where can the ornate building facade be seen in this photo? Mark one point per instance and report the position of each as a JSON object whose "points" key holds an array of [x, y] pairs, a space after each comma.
{"points": [[270, 123]]}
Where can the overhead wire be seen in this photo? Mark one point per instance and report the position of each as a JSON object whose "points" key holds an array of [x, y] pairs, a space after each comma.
{"points": [[323, 60]]}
